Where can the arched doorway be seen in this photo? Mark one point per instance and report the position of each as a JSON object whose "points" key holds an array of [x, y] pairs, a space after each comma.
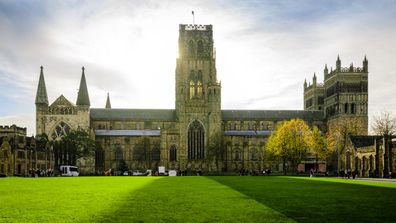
{"points": [[196, 141]]}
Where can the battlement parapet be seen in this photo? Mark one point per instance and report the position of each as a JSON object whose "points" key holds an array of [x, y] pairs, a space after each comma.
{"points": [[12, 127], [191, 27], [310, 86], [350, 70]]}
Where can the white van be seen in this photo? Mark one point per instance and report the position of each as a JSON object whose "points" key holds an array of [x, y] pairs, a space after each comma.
{"points": [[66, 170]]}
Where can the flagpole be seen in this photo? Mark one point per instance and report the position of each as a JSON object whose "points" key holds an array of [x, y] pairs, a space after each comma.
{"points": [[193, 17]]}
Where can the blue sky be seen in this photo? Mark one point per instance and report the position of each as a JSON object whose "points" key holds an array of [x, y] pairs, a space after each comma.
{"points": [[265, 50]]}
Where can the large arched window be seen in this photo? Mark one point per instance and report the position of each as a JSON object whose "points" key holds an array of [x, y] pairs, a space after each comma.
{"points": [[172, 153], [196, 84], [196, 141], [62, 129], [137, 155], [253, 154], [156, 153], [99, 159]]}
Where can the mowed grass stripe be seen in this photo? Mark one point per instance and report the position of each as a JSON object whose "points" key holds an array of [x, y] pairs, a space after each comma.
{"points": [[128, 199], [320, 199], [62, 199]]}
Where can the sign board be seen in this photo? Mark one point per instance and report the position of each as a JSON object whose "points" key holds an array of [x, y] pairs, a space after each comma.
{"points": [[161, 169], [172, 173]]}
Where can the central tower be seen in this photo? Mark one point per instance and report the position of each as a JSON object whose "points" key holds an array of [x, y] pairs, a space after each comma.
{"points": [[198, 93]]}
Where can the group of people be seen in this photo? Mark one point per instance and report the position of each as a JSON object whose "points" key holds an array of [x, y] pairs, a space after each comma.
{"points": [[348, 173], [41, 173], [263, 172]]}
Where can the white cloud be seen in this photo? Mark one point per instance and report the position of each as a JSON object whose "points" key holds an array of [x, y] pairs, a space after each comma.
{"points": [[25, 120], [265, 50]]}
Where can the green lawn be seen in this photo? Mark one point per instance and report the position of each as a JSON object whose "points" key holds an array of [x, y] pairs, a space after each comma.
{"points": [[195, 199]]}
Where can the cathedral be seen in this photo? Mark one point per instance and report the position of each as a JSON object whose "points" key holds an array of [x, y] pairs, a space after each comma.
{"points": [[181, 138]]}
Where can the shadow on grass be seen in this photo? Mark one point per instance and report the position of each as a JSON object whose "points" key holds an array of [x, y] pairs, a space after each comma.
{"points": [[307, 200], [188, 199]]}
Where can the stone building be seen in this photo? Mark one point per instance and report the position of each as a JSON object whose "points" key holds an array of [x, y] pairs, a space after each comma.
{"points": [[372, 156], [20, 154], [343, 95], [180, 138]]}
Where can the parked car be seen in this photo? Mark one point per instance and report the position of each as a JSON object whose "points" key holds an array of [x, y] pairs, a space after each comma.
{"points": [[138, 173]]}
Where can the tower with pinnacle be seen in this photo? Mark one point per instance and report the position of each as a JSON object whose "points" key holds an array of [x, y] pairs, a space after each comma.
{"points": [[343, 95], [58, 118], [41, 104], [198, 92]]}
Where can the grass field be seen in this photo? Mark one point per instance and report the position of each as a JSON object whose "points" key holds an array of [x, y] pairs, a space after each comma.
{"points": [[195, 199]]}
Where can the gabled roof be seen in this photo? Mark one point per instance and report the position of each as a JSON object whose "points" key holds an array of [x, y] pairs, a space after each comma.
{"points": [[61, 101], [229, 115], [133, 114]]}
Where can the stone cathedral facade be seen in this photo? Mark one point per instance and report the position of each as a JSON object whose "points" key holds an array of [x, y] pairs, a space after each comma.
{"points": [[179, 138]]}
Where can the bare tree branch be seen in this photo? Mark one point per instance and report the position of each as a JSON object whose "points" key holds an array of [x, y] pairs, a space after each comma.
{"points": [[384, 124]]}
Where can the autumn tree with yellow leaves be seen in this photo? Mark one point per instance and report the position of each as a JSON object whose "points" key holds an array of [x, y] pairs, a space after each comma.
{"points": [[338, 137], [291, 142]]}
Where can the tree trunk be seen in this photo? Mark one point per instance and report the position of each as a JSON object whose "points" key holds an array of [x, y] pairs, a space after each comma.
{"points": [[284, 167]]}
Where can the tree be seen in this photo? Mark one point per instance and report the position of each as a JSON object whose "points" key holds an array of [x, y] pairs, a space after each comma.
{"points": [[318, 146], [73, 146], [338, 137], [384, 124], [44, 144], [290, 142], [122, 166], [216, 149]]}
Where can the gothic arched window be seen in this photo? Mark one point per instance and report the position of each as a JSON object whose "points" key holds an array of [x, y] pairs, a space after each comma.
{"points": [[199, 89], [62, 129], [196, 84], [156, 153], [196, 141], [192, 89], [253, 154], [237, 155], [118, 153], [172, 153], [137, 155], [99, 159]]}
